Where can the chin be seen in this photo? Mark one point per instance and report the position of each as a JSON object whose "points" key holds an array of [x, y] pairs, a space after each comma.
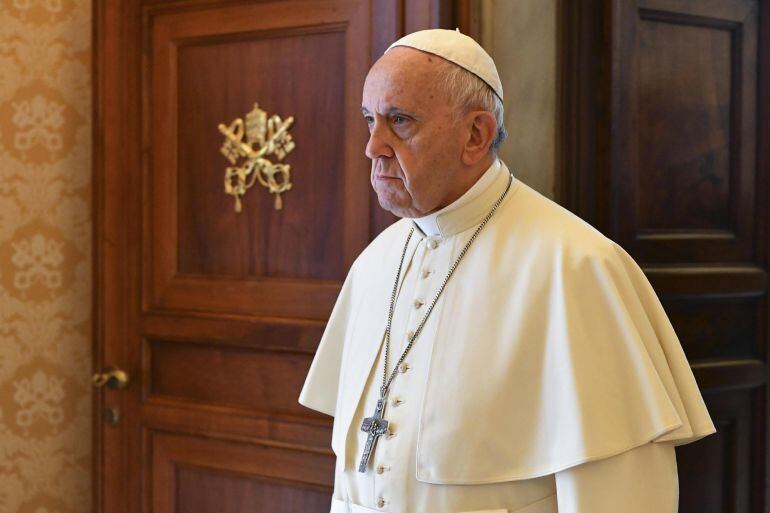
{"points": [[397, 201], [393, 207], [395, 210]]}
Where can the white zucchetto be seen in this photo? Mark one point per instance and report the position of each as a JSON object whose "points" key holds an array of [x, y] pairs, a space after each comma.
{"points": [[458, 48]]}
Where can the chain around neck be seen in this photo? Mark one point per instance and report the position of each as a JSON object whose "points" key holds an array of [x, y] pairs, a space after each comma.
{"points": [[386, 380]]}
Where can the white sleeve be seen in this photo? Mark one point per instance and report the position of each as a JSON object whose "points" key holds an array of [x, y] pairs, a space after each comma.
{"points": [[641, 480]]}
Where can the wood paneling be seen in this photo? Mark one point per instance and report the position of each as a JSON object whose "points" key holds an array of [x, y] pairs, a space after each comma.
{"points": [[204, 73], [684, 129], [665, 137], [203, 490], [211, 373], [192, 472], [306, 238], [267, 334], [715, 329], [215, 315], [707, 470], [234, 303]]}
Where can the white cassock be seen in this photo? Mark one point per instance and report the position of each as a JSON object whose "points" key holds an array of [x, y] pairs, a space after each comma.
{"points": [[548, 377]]}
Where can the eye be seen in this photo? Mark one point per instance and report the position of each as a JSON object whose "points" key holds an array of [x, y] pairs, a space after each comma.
{"points": [[398, 119], [369, 119]]}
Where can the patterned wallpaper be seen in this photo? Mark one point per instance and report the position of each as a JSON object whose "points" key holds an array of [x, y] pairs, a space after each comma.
{"points": [[45, 256]]}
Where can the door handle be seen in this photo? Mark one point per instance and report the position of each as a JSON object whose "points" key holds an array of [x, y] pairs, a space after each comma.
{"points": [[112, 377]]}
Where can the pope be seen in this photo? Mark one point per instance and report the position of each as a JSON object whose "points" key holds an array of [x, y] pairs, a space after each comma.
{"points": [[490, 352]]}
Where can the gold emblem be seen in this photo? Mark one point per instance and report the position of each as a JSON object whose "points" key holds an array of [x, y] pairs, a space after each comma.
{"points": [[263, 137]]}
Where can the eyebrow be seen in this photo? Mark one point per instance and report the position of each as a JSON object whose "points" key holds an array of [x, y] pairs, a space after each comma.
{"points": [[390, 110]]}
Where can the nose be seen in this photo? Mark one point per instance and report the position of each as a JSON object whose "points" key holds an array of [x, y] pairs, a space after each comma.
{"points": [[378, 145]]}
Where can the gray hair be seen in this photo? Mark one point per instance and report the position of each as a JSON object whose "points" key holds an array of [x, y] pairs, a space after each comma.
{"points": [[470, 92]]}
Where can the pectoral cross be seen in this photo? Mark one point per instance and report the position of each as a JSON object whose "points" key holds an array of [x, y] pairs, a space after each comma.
{"points": [[376, 426]]}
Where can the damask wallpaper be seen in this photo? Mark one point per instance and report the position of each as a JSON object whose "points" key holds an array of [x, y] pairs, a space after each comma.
{"points": [[45, 256]]}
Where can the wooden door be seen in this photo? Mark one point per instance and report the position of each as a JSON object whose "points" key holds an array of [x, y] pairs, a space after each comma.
{"points": [[215, 314], [667, 149]]}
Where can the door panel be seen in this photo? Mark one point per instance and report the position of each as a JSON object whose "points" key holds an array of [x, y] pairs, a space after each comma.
{"points": [[692, 155], [300, 59], [216, 314], [306, 239], [686, 169], [202, 373], [666, 144], [278, 271], [193, 474]]}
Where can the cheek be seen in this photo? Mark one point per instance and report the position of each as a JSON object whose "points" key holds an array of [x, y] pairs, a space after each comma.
{"points": [[410, 154], [423, 159], [432, 172]]}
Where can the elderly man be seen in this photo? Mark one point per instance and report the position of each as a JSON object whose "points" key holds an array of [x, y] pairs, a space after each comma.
{"points": [[490, 352]]}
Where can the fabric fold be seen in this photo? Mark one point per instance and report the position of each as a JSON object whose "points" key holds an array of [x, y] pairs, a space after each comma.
{"points": [[569, 358], [321, 386], [553, 350]]}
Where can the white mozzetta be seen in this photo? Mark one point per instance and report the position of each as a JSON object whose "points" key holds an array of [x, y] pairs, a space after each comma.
{"points": [[548, 350]]}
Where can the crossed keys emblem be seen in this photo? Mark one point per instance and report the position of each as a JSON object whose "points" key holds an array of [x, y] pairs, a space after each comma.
{"points": [[263, 137]]}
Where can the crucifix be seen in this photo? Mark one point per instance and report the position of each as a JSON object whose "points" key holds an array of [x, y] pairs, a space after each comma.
{"points": [[376, 426]]}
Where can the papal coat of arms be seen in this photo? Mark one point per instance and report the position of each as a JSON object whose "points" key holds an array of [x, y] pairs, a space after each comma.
{"points": [[247, 146]]}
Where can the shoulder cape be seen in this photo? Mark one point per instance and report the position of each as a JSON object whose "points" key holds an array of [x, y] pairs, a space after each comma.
{"points": [[552, 350]]}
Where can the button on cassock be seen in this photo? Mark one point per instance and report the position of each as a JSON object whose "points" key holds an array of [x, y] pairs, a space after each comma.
{"points": [[432, 243], [425, 273], [380, 502], [418, 303], [404, 367]]}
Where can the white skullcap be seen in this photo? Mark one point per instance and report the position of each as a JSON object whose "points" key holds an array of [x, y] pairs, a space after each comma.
{"points": [[458, 48]]}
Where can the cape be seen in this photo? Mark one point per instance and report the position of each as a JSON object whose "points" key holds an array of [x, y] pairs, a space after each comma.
{"points": [[552, 349]]}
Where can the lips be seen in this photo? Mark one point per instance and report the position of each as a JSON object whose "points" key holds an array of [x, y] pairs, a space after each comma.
{"points": [[380, 171]]}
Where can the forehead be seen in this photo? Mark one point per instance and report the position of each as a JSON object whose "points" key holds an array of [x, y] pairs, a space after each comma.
{"points": [[403, 77]]}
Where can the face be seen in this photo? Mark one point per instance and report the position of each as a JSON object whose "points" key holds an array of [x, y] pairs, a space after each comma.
{"points": [[415, 136]]}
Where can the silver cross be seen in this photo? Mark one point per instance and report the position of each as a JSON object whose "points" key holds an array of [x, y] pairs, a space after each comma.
{"points": [[376, 426]]}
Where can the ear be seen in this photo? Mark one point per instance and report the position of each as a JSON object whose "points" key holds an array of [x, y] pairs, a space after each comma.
{"points": [[483, 129]]}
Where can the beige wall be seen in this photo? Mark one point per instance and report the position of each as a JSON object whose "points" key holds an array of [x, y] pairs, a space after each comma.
{"points": [[45, 256], [521, 37]]}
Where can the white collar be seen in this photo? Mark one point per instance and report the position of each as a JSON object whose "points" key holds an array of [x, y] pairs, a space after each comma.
{"points": [[470, 208]]}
